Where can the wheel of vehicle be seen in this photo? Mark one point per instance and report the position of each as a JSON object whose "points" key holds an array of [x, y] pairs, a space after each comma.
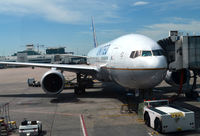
{"points": [[147, 119], [158, 125]]}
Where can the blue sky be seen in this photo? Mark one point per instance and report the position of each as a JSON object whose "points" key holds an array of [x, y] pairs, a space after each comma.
{"points": [[68, 22]]}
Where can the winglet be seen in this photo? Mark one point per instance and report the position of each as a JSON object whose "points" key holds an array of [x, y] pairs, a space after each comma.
{"points": [[94, 33]]}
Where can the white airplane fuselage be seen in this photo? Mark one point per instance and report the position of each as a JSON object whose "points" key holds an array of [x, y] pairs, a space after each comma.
{"points": [[133, 61]]}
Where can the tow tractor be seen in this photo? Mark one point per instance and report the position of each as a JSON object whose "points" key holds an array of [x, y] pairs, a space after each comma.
{"points": [[165, 118], [32, 82], [30, 128]]}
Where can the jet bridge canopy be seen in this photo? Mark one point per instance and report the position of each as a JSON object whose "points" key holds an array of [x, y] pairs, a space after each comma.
{"points": [[182, 52]]}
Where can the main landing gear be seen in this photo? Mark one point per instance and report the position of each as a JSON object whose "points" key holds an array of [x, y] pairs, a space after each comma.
{"points": [[82, 82]]}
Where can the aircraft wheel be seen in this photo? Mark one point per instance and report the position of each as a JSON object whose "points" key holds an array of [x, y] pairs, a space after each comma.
{"points": [[79, 90]]}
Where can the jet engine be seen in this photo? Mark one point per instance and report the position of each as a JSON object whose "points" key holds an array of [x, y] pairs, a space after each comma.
{"points": [[53, 82], [174, 78]]}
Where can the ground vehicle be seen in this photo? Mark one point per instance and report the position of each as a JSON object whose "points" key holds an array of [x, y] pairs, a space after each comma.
{"points": [[33, 83], [164, 118], [30, 128], [30, 81]]}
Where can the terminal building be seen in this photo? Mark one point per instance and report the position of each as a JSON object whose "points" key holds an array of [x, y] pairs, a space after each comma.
{"points": [[59, 50], [52, 55], [29, 51]]}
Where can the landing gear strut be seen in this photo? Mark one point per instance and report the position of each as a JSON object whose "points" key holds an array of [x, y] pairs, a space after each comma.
{"points": [[82, 82], [78, 90], [80, 87]]}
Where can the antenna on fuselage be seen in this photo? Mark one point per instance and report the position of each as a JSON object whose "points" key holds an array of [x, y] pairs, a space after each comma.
{"points": [[94, 33]]}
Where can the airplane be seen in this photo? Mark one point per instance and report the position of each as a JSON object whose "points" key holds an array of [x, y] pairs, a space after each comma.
{"points": [[133, 61]]}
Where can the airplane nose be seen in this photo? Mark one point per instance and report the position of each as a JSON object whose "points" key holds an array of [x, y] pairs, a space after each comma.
{"points": [[157, 71], [160, 62], [155, 62], [146, 72]]}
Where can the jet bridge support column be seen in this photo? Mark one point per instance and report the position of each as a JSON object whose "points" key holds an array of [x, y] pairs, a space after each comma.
{"points": [[192, 93]]}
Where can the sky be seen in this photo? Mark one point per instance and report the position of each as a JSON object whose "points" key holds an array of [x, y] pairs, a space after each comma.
{"points": [[56, 23]]}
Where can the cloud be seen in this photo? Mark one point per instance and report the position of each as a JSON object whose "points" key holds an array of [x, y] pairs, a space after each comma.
{"points": [[175, 5], [63, 11], [140, 3], [160, 31], [114, 6], [50, 10]]}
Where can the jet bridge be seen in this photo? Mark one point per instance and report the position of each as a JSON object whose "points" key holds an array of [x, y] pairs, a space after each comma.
{"points": [[183, 53]]}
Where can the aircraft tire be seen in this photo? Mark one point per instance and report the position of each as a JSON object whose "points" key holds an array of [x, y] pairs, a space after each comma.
{"points": [[79, 90]]}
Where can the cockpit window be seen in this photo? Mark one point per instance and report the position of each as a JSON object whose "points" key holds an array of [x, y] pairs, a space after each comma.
{"points": [[158, 52], [135, 54], [132, 54], [146, 53]]}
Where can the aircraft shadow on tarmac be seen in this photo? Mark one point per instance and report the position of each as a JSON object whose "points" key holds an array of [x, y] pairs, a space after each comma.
{"points": [[110, 91]]}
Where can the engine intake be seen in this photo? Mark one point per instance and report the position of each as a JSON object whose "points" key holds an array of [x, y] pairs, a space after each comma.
{"points": [[53, 82], [174, 78]]}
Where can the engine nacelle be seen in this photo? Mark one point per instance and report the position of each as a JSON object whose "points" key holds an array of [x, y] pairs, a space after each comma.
{"points": [[53, 82], [174, 78]]}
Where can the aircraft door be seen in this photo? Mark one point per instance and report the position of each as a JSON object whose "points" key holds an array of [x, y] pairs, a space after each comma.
{"points": [[117, 56]]}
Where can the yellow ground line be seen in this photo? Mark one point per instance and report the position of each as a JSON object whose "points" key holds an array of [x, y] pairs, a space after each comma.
{"points": [[124, 105], [140, 120]]}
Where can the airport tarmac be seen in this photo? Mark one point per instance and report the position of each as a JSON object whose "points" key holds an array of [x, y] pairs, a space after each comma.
{"points": [[95, 113]]}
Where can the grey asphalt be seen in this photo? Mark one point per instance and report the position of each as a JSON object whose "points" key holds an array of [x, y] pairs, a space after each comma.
{"points": [[60, 114]]}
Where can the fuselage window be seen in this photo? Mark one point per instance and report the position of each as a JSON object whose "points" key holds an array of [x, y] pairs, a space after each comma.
{"points": [[146, 53], [158, 52]]}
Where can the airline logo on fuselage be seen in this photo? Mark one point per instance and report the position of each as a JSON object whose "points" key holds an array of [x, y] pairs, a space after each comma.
{"points": [[103, 50]]}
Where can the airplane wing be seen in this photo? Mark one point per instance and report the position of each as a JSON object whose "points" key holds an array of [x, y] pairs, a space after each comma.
{"points": [[88, 69]]}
